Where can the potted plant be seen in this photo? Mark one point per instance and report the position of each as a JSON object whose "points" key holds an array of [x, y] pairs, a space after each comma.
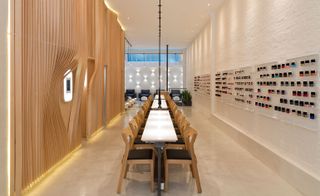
{"points": [[186, 98]]}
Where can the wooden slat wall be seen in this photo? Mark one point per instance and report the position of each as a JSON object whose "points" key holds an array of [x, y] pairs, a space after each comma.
{"points": [[58, 35], [109, 51], [115, 61]]}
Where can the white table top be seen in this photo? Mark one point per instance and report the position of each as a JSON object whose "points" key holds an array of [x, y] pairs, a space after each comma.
{"points": [[155, 104], [159, 128], [161, 97]]}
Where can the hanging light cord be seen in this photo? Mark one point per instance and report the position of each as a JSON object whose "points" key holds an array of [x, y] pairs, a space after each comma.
{"points": [[159, 99]]}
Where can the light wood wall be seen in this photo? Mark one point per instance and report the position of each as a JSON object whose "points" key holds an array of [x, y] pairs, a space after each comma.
{"points": [[115, 57], [51, 38]]}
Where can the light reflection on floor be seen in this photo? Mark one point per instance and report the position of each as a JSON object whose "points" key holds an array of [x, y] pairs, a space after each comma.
{"points": [[225, 168]]}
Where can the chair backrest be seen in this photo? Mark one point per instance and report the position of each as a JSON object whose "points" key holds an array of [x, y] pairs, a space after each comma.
{"points": [[130, 91], [177, 116], [184, 124], [177, 113], [147, 103], [173, 108], [134, 127], [141, 114], [138, 120], [145, 108], [175, 91], [128, 140], [190, 138], [145, 91]]}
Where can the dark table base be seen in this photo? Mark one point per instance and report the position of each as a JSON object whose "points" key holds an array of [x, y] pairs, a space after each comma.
{"points": [[159, 166]]}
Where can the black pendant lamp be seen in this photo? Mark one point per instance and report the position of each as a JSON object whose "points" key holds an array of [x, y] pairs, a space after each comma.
{"points": [[159, 97]]}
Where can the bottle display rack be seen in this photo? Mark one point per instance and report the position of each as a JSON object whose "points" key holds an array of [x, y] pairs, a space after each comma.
{"points": [[202, 84], [287, 91]]}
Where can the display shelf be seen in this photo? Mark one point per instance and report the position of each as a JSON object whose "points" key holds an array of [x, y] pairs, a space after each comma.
{"points": [[287, 91], [243, 88], [202, 84], [224, 85]]}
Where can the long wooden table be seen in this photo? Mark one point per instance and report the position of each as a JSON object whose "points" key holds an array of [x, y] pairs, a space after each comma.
{"points": [[156, 97], [155, 104], [159, 129]]}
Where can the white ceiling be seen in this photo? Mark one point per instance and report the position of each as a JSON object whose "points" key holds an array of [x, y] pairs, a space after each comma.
{"points": [[182, 20]]}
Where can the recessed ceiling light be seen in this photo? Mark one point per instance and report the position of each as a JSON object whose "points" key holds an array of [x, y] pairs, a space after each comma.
{"points": [[209, 4], [128, 18]]}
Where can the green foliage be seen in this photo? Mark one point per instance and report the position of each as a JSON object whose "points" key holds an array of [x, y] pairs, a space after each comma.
{"points": [[186, 97]]}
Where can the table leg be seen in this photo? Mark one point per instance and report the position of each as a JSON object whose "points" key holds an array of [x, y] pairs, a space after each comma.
{"points": [[159, 147]]}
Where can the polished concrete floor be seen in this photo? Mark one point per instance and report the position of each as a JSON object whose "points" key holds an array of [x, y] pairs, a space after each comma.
{"points": [[225, 168]]}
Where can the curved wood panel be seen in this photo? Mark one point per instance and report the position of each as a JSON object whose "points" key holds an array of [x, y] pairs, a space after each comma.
{"points": [[50, 47], [57, 36], [109, 51]]}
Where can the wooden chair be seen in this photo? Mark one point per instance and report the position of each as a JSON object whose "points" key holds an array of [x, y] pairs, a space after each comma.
{"points": [[184, 157], [141, 114], [137, 142], [176, 114], [140, 123], [181, 133], [134, 156], [182, 125], [177, 118], [134, 128], [172, 110], [150, 98]]}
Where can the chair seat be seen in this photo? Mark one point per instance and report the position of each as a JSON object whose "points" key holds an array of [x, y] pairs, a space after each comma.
{"points": [[179, 141], [140, 154], [178, 154]]}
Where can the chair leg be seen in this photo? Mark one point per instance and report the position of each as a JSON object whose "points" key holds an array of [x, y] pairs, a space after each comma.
{"points": [[191, 169], [197, 177], [166, 177], [122, 174], [152, 176]]}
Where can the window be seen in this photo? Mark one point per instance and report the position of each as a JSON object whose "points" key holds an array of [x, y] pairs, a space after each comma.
{"points": [[153, 57]]}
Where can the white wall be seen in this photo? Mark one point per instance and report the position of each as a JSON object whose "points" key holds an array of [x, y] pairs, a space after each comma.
{"points": [[199, 61], [199, 55], [144, 75], [3, 97], [252, 32]]}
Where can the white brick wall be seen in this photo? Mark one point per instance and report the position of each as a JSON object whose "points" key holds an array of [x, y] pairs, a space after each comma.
{"points": [[199, 55], [250, 32]]}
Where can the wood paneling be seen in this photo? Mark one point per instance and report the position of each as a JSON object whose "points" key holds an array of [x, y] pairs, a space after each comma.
{"points": [[115, 62], [80, 35], [109, 51]]}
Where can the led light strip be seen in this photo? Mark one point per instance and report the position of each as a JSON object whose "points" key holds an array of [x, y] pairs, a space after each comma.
{"points": [[117, 13], [9, 96]]}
